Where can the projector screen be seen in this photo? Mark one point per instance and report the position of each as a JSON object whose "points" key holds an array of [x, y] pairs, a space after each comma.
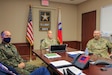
{"points": [[106, 20]]}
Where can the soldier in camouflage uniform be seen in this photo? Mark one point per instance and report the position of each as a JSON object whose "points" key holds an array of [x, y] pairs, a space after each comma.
{"points": [[10, 56], [47, 42], [99, 46]]}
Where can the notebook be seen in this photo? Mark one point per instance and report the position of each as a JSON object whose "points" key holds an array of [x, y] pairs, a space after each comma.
{"points": [[58, 48]]}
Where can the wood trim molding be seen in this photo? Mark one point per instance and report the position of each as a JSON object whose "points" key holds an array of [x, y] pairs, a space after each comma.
{"points": [[73, 44], [24, 48]]}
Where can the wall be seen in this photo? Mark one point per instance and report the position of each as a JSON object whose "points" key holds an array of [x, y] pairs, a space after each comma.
{"points": [[14, 14], [88, 6]]}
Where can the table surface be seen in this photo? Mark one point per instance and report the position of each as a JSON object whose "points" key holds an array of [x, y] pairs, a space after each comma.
{"points": [[92, 70]]}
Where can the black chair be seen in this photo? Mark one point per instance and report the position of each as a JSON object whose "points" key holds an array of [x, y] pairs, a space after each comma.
{"points": [[41, 43]]}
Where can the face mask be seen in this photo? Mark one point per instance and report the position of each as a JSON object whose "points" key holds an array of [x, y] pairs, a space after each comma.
{"points": [[7, 40]]}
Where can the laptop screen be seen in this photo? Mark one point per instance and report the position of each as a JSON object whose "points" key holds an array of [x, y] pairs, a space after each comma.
{"points": [[58, 48]]}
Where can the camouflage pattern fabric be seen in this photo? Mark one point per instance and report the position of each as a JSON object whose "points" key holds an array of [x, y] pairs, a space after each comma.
{"points": [[46, 43], [99, 47], [10, 57]]}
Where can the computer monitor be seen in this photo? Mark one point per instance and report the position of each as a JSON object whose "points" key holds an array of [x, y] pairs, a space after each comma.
{"points": [[58, 48]]}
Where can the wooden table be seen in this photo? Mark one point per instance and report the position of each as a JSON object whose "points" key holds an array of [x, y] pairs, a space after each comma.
{"points": [[92, 70]]}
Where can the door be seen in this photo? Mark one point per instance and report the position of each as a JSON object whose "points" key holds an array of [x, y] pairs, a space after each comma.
{"points": [[88, 26]]}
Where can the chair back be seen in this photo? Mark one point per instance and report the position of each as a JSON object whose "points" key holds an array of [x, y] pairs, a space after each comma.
{"points": [[41, 43]]}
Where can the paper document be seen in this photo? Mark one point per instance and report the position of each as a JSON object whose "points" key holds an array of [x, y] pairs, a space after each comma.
{"points": [[76, 52], [60, 63], [52, 55], [74, 69]]}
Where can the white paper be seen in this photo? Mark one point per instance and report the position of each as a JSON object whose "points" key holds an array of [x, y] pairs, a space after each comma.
{"points": [[75, 70], [60, 63], [76, 52]]}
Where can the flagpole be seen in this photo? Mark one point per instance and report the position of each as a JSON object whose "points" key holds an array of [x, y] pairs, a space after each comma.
{"points": [[30, 53], [29, 33]]}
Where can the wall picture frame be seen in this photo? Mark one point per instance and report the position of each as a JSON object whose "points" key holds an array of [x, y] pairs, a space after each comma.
{"points": [[44, 20]]}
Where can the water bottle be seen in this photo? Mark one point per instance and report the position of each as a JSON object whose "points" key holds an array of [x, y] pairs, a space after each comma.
{"points": [[86, 52]]}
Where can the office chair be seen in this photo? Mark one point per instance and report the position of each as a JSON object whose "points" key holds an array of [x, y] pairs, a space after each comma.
{"points": [[41, 43]]}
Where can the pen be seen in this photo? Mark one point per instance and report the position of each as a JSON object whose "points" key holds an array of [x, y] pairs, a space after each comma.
{"points": [[64, 72]]}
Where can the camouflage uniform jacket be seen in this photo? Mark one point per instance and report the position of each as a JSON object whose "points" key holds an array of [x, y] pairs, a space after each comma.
{"points": [[99, 47], [10, 57], [46, 43]]}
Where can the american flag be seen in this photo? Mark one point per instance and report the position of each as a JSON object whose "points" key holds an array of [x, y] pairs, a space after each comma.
{"points": [[59, 33], [29, 32]]}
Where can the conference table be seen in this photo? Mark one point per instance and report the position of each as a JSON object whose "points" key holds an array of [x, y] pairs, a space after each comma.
{"points": [[92, 70]]}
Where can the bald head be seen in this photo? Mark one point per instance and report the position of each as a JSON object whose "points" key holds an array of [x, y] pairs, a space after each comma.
{"points": [[97, 34], [5, 34], [49, 33]]}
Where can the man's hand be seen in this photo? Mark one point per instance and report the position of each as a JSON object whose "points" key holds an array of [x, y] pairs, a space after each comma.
{"points": [[110, 56], [21, 65]]}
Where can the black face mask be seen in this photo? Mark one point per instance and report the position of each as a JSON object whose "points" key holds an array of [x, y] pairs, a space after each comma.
{"points": [[7, 40]]}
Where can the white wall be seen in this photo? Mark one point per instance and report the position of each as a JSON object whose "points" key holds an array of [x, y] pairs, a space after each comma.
{"points": [[14, 15]]}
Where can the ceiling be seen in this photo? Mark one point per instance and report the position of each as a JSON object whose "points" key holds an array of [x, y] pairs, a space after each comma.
{"points": [[69, 1]]}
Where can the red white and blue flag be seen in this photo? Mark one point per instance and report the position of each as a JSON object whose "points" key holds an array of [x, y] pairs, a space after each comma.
{"points": [[59, 32], [29, 33]]}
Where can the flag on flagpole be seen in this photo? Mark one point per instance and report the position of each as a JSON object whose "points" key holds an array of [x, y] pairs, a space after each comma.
{"points": [[29, 32], [59, 31]]}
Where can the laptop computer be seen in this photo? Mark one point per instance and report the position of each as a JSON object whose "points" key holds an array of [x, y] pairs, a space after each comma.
{"points": [[58, 48]]}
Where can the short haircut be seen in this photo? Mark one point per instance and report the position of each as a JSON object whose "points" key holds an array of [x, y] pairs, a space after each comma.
{"points": [[2, 33]]}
